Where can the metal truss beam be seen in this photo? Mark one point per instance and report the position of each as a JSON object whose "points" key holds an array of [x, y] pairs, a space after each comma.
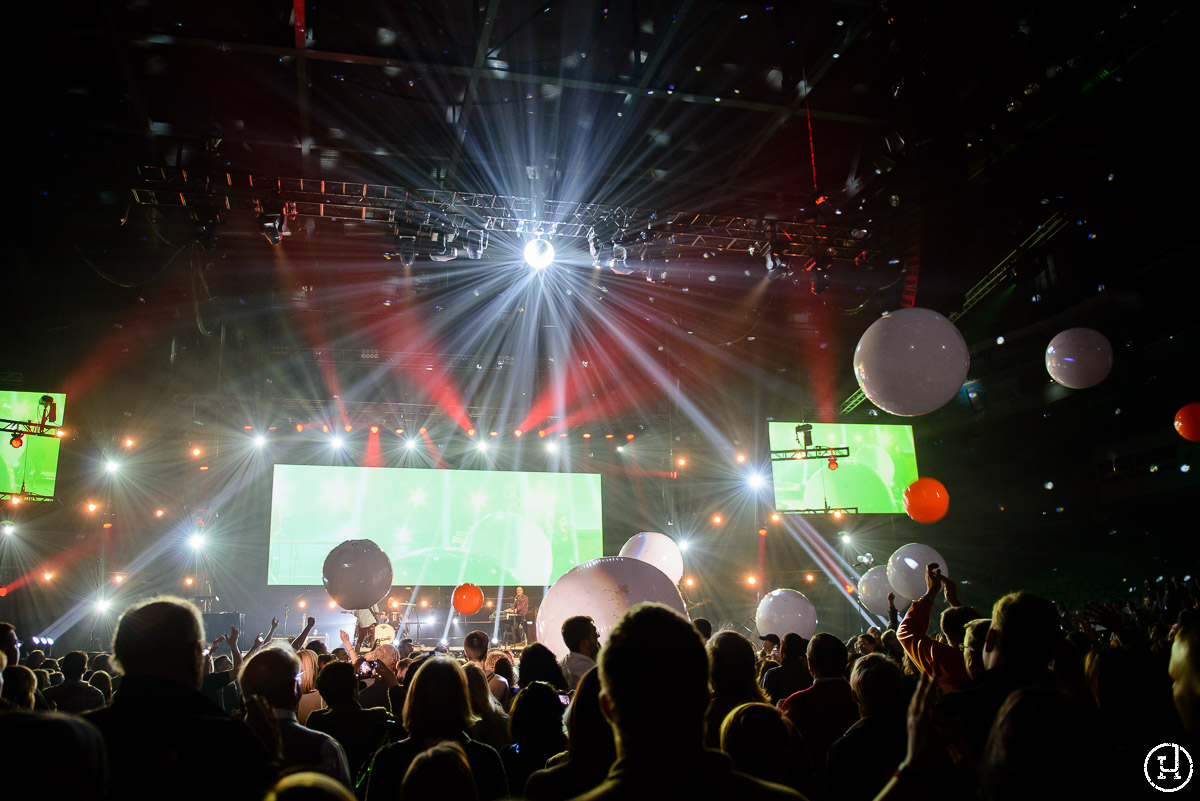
{"points": [[447, 208]]}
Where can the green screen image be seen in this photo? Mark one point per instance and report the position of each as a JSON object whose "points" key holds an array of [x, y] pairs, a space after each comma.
{"points": [[438, 527], [882, 462], [35, 463]]}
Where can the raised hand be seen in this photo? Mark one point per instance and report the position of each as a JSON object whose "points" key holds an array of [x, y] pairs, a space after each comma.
{"points": [[891, 599], [274, 623], [232, 639], [312, 621], [933, 579]]}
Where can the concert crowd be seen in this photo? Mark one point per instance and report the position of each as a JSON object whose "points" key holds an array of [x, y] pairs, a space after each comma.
{"points": [[1020, 700]]}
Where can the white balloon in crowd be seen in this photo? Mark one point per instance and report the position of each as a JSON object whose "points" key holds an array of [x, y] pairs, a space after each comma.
{"points": [[873, 589], [782, 612], [603, 589], [906, 568], [1079, 358], [658, 550], [911, 361]]}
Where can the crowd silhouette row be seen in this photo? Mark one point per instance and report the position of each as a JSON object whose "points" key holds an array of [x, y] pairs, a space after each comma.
{"points": [[1032, 701]]}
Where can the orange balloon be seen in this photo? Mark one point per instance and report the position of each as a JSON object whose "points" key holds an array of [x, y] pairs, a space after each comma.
{"points": [[1187, 422], [468, 599], [926, 500]]}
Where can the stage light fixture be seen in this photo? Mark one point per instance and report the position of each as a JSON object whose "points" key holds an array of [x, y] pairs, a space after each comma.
{"points": [[845, 537], [118, 578], [778, 266], [17, 439], [333, 604], [424, 604], [272, 218], [47, 576], [470, 432], [809, 577], [110, 466], [60, 433], [9, 529], [756, 481], [681, 461], [195, 451], [775, 518], [481, 445], [106, 526], [206, 225], [128, 443], [741, 458], [91, 507], [762, 532], [552, 446], [684, 545], [518, 433], [260, 440], [819, 269], [374, 429], [348, 428], [751, 580], [410, 444], [539, 253], [716, 520], [336, 442], [102, 605], [196, 541], [302, 603]]}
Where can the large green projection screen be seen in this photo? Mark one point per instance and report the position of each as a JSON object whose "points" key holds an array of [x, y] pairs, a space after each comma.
{"points": [[35, 463], [439, 527], [882, 462]]}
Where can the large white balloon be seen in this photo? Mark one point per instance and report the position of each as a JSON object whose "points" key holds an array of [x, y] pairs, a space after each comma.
{"points": [[873, 589], [906, 568], [1079, 358], [782, 612], [658, 550], [911, 361], [603, 589]]}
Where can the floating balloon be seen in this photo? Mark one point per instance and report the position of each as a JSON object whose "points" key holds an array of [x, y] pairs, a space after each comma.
{"points": [[783, 612], [658, 550], [873, 589], [603, 589], [1187, 422], [357, 573], [926, 500], [906, 568], [911, 361], [1079, 358], [467, 599]]}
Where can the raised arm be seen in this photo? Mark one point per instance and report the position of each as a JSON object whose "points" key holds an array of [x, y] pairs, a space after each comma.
{"points": [[235, 653], [893, 615], [298, 642], [260, 639]]}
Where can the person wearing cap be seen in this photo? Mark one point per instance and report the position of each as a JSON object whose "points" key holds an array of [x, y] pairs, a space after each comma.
{"points": [[792, 675], [770, 644]]}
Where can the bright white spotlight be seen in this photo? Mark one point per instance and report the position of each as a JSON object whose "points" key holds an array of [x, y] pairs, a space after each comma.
{"points": [[756, 481], [552, 447], [445, 642], [481, 445], [9, 529], [102, 605], [336, 442], [196, 541], [539, 253], [845, 537], [410, 444], [260, 440], [683, 545], [110, 466]]}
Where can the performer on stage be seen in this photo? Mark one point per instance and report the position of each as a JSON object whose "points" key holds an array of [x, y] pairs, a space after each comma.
{"points": [[519, 612], [364, 630]]}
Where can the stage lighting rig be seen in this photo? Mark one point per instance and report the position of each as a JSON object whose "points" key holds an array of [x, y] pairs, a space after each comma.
{"points": [[273, 214], [206, 224], [818, 268]]}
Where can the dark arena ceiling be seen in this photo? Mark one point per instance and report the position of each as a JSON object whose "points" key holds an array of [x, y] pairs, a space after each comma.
{"points": [[1022, 167]]}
